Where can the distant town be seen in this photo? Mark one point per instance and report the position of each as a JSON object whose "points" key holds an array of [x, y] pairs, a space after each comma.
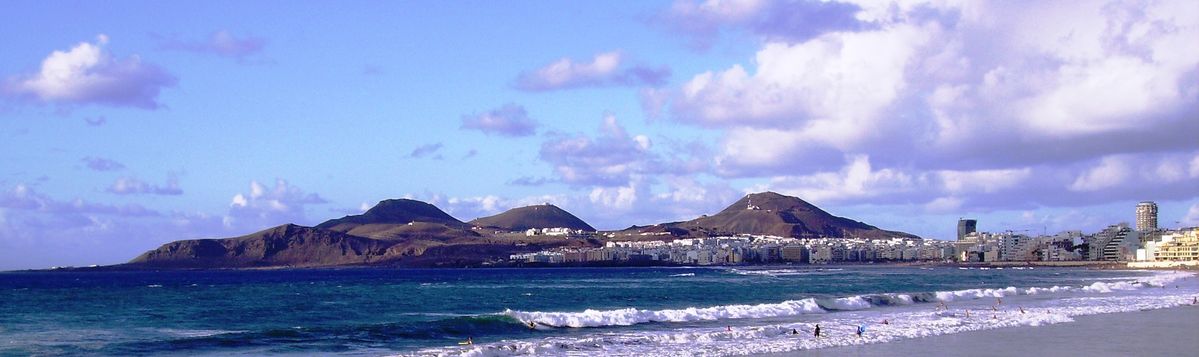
{"points": [[1145, 245]]}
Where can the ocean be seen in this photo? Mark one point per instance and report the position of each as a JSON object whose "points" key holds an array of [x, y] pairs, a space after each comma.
{"points": [[548, 311]]}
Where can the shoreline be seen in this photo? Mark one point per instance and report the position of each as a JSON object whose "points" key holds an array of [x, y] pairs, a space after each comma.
{"points": [[1105, 265], [1159, 332]]}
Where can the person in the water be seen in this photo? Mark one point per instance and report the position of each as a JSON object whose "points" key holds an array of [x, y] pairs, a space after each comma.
{"points": [[794, 331], [817, 331], [861, 330]]}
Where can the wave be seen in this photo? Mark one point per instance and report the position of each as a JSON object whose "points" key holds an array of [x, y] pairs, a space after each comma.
{"points": [[838, 331], [446, 328], [633, 316], [783, 272]]}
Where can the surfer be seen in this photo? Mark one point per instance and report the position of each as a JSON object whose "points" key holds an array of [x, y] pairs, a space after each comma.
{"points": [[885, 322], [861, 330], [967, 313], [817, 331], [468, 342], [998, 300], [729, 328], [794, 331], [1021, 309], [532, 325]]}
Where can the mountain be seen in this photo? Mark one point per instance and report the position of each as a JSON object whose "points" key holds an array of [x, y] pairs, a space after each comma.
{"points": [[539, 216], [414, 233], [770, 213], [285, 245], [401, 219]]}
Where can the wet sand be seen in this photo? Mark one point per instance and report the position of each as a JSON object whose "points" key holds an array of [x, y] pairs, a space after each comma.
{"points": [[1162, 332]]}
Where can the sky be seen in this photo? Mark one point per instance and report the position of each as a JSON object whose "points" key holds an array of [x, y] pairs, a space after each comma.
{"points": [[128, 124]]}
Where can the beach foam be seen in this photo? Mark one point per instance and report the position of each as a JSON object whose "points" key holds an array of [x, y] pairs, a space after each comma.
{"points": [[770, 336], [631, 316]]}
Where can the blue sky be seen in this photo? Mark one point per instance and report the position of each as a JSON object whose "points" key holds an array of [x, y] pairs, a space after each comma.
{"points": [[126, 125]]}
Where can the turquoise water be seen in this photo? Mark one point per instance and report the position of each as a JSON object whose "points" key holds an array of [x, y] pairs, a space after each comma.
{"points": [[630, 311]]}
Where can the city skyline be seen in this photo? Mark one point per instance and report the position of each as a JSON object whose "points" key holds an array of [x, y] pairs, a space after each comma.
{"points": [[129, 124]]}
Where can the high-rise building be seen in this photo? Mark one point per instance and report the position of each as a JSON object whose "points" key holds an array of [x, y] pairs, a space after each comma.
{"points": [[966, 226], [1146, 216]]}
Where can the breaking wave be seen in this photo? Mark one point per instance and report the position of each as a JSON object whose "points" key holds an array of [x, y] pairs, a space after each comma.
{"points": [[633, 316]]}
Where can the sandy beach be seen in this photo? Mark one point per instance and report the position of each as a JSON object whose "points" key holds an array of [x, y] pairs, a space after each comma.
{"points": [[1162, 332]]}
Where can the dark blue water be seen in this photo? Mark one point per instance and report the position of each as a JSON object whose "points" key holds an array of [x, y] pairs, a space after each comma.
{"points": [[386, 311]]}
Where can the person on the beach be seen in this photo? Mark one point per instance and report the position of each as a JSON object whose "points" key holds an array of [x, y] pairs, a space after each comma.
{"points": [[817, 331]]}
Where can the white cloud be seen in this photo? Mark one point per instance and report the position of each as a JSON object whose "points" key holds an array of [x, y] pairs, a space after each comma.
{"points": [[89, 74], [1195, 167], [265, 207], [944, 205], [220, 43], [856, 180], [987, 181], [130, 186], [23, 197], [1191, 219], [604, 69], [609, 159], [833, 79], [508, 120], [620, 198], [955, 85], [1110, 172]]}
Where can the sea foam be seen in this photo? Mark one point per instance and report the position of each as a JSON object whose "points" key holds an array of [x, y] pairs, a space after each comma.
{"points": [[631, 316]]}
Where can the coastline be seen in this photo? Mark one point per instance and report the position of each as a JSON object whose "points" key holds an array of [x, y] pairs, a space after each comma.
{"points": [[1105, 265], [1160, 332]]}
